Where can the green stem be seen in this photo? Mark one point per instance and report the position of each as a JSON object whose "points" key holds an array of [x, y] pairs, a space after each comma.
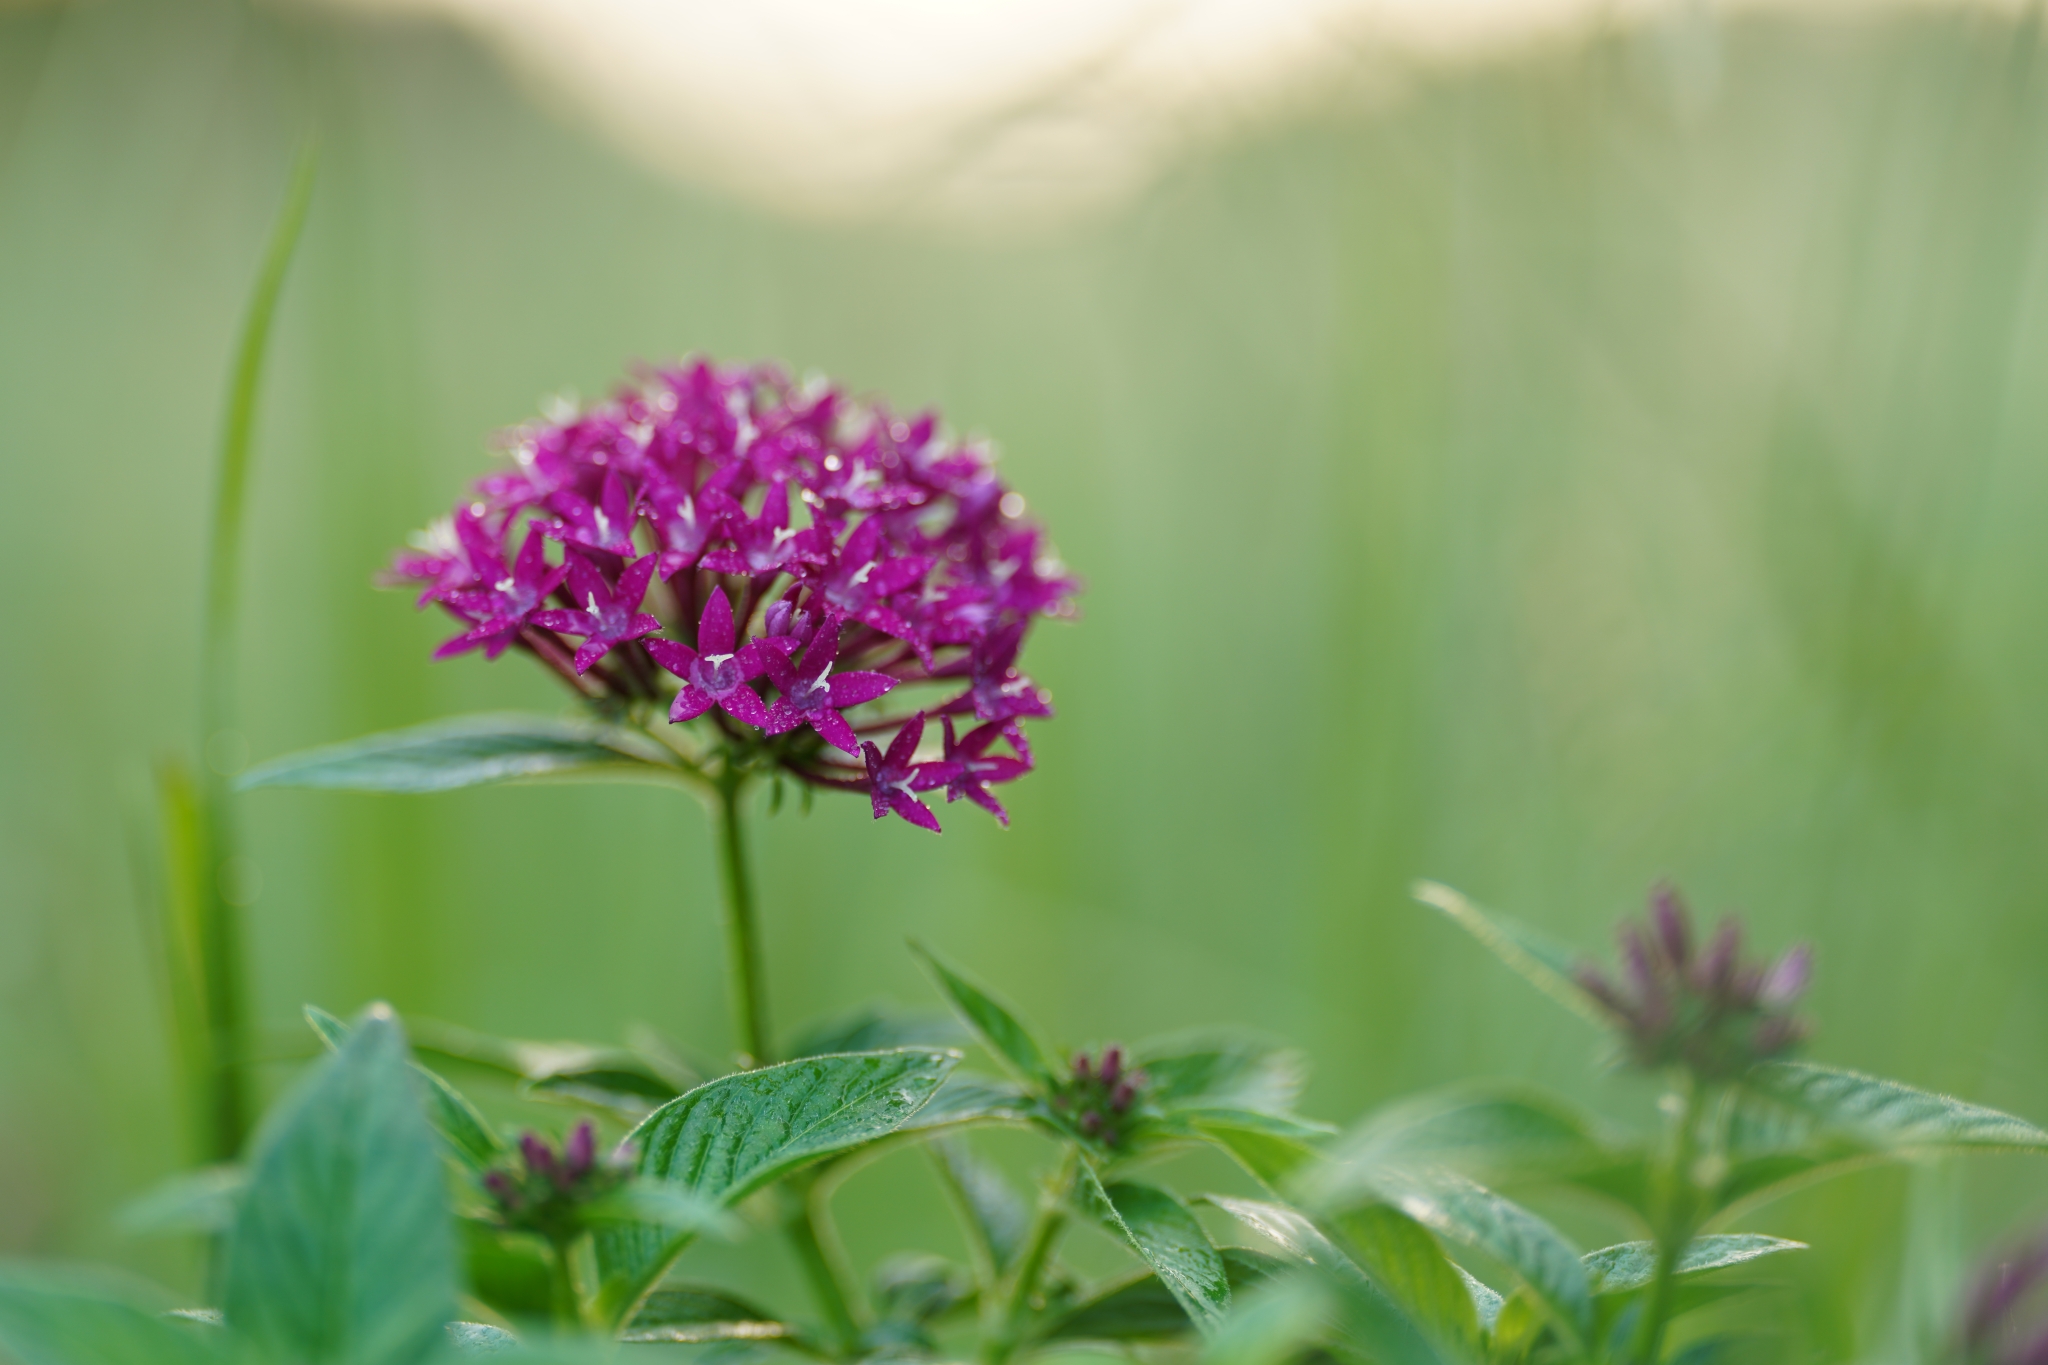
{"points": [[742, 937], [565, 1299], [808, 1224], [1004, 1333], [1676, 1205], [224, 1025]]}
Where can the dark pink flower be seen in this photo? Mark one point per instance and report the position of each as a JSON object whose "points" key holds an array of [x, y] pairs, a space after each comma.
{"points": [[892, 777], [717, 672], [610, 615], [968, 768], [812, 696]]}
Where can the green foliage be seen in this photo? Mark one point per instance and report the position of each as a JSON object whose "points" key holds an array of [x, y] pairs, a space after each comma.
{"points": [[1144, 1307], [730, 1137], [1546, 964], [1167, 1236], [468, 1135], [50, 1318], [343, 1251], [471, 751], [1631, 1265], [698, 1314], [1007, 1037]]}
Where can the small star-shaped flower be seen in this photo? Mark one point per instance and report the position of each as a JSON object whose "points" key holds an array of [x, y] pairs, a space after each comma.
{"points": [[600, 529], [502, 608], [610, 616], [893, 776], [716, 672], [968, 769], [765, 544], [811, 696]]}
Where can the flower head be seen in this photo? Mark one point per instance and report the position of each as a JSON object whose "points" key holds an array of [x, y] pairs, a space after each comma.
{"points": [[1701, 1007], [1100, 1096], [772, 559], [544, 1190]]}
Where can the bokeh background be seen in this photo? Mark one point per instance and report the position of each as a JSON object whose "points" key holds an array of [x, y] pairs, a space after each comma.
{"points": [[1612, 456]]}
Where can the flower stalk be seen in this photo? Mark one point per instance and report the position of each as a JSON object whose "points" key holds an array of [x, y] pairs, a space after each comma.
{"points": [[744, 990], [808, 1225], [1013, 1303], [1678, 1184]]}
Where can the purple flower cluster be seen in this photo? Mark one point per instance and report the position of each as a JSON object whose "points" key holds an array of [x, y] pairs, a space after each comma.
{"points": [[1099, 1097], [772, 556], [2002, 1322], [545, 1190], [1701, 1007]]}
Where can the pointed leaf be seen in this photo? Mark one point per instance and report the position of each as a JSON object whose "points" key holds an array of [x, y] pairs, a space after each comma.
{"points": [[468, 1136], [735, 1135], [50, 1318], [1272, 1155], [343, 1249], [1632, 1265], [1274, 1324], [1167, 1236], [994, 1215], [699, 1313], [1489, 1134], [1141, 1308], [470, 751], [191, 1201], [993, 1022], [1470, 1213], [1221, 1070], [1889, 1116], [1544, 962], [877, 1028], [1401, 1259]]}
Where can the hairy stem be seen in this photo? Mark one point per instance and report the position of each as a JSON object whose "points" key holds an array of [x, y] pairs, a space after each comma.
{"points": [[216, 957], [1002, 1334], [808, 1225], [742, 935], [1676, 1208], [565, 1301]]}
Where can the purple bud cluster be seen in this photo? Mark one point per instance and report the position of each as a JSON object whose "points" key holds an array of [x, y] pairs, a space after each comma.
{"points": [[1679, 1003], [2002, 1319], [771, 555], [1099, 1096], [544, 1190]]}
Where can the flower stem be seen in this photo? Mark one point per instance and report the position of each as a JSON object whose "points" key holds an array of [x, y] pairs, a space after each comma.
{"points": [[742, 938], [215, 947], [808, 1224], [565, 1301], [1675, 1193], [1014, 1301]]}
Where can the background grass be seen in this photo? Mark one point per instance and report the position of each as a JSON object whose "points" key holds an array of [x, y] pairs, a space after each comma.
{"points": [[1617, 462]]}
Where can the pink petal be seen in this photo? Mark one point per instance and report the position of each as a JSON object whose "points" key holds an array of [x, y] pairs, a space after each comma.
{"points": [[689, 704], [742, 704], [673, 655], [851, 689], [714, 627], [913, 810], [836, 731]]}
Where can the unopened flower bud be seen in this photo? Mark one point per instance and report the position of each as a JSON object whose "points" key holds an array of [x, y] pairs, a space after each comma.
{"points": [[1112, 1064], [1120, 1098], [1080, 1066], [540, 1159], [580, 1150], [1091, 1123]]}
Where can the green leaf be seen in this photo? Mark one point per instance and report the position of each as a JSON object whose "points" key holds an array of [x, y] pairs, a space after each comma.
{"points": [[1167, 1236], [1404, 1262], [695, 1314], [1141, 1307], [1544, 962], [1889, 1116], [993, 1022], [468, 1136], [191, 1201], [480, 1339], [994, 1215], [1488, 1134], [343, 1249], [1457, 1208], [1632, 1265], [661, 1203], [1273, 1157], [967, 1099], [877, 1028], [1486, 1300], [51, 1318], [735, 1135], [470, 751], [1221, 1070], [1273, 1324]]}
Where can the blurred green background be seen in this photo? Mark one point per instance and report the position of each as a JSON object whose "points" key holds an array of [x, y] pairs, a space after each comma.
{"points": [[1616, 460]]}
